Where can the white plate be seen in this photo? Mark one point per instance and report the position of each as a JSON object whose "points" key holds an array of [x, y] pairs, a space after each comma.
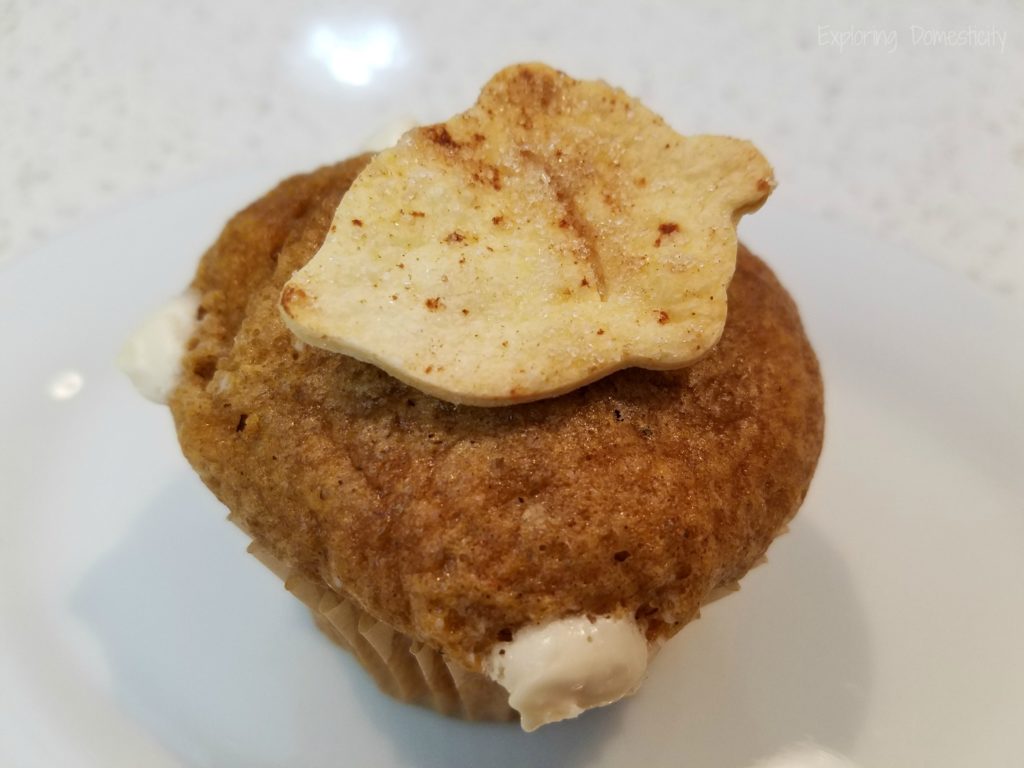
{"points": [[887, 626]]}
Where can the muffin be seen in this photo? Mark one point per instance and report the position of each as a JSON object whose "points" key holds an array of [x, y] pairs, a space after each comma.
{"points": [[517, 559]]}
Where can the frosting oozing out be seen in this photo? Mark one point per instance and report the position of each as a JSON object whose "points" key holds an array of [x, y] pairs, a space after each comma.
{"points": [[151, 357], [557, 670], [388, 134]]}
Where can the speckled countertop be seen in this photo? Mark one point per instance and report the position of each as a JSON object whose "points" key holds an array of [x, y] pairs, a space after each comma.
{"points": [[905, 122]]}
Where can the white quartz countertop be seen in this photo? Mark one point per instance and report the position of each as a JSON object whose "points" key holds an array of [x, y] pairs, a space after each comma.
{"points": [[904, 120]]}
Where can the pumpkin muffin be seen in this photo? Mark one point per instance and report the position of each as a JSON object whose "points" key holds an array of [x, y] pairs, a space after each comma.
{"points": [[463, 552]]}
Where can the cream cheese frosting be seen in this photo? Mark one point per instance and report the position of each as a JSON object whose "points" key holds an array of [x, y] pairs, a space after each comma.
{"points": [[556, 670], [151, 357], [388, 134]]}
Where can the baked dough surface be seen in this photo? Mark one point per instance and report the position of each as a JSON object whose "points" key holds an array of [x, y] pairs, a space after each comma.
{"points": [[638, 494]]}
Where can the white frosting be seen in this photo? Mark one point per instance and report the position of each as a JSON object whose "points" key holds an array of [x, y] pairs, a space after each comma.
{"points": [[557, 670], [152, 356], [388, 135]]}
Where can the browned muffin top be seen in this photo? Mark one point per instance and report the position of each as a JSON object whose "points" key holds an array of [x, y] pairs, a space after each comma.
{"points": [[636, 494]]}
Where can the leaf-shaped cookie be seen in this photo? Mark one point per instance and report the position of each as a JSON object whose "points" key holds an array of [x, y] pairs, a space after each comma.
{"points": [[555, 232]]}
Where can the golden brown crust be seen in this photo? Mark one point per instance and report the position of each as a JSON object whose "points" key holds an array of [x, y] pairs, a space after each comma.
{"points": [[457, 525]]}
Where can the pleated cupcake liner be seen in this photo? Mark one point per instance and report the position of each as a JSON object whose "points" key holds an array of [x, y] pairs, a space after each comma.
{"points": [[404, 667]]}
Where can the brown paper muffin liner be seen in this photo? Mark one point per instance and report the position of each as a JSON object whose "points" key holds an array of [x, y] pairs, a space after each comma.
{"points": [[403, 667]]}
